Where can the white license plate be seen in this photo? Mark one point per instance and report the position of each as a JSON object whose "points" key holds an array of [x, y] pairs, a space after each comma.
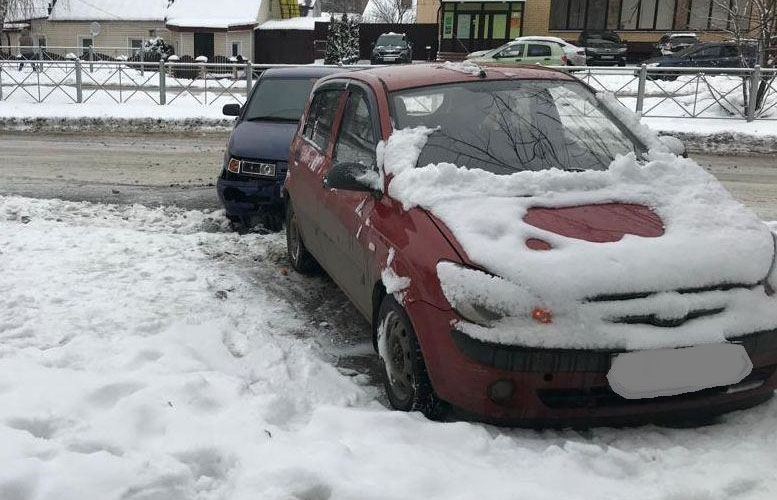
{"points": [[389, 58], [608, 57], [668, 372]]}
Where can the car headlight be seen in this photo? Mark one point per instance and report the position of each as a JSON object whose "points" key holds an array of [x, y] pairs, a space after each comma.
{"points": [[622, 49], [255, 168]]}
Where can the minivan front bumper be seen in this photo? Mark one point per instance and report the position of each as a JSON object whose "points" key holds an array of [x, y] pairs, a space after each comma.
{"points": [[246, 198]]}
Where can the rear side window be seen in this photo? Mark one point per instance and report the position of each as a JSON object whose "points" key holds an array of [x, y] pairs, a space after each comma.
{"points": [[538, 51], [318, 126]]}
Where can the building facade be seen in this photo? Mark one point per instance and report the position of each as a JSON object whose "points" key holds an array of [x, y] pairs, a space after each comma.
{"points": [[469, 25]]}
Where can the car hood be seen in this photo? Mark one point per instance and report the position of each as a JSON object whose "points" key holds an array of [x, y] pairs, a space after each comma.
{"points": [[612, 253], [262, 140]]}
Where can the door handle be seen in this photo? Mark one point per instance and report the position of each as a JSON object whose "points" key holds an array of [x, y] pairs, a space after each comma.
{"points": [[547, 58]]}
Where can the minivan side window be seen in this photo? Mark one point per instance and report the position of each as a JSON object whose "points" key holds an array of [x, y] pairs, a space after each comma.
{"points": [[318, 126], [356, 140]]}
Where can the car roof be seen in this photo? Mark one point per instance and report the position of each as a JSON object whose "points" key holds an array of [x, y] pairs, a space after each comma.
{"points": [[419, 75], [542, 39], [310, 71]]}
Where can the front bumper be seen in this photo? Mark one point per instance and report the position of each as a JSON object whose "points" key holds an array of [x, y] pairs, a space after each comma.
{"points": [[562, 388], [246, 198], [605, 59], [390, 59]]}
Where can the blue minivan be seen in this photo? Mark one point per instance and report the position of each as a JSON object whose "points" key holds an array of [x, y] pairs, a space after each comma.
{"points": [[249, 186]]}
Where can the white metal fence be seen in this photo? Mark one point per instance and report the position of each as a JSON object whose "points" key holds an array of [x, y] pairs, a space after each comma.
{"points": [[650, 92]]}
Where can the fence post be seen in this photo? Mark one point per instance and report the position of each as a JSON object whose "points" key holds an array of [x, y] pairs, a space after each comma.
{"points": [[142, 62], [1, 81], [249, 79], [752, 96], [79, 85], [641, 90], [162, 83], [91, 58]]}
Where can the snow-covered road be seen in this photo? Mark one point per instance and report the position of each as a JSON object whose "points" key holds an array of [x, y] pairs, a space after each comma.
{"points": [[145, 355]]}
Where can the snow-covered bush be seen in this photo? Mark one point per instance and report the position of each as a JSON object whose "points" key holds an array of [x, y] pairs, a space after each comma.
{"points": [[342, 41]]}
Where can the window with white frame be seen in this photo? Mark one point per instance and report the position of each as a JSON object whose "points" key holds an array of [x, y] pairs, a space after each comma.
{"points": [[237, 49], [85, 43], [135, 46]]}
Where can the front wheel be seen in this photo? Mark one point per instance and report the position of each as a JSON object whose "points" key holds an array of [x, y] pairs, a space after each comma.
{"points": [[405, 378], [299, 257]]}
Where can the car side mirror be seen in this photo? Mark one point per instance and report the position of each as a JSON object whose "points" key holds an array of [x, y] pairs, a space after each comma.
{"points": [[231, 110], [351, 177], [372, 45], [674, 145]]}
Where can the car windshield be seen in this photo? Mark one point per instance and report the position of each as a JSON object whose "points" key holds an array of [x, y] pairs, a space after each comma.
{"points": [[607, 37], [688, 50], [509, 126], [391, 40], [281, 99]]}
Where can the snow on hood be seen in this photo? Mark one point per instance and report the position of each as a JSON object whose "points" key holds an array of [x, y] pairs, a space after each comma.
{"points": [[709, 240]]}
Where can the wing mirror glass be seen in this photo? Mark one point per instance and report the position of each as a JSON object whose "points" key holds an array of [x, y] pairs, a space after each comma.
{"points": [[231, 110], [674, 145]]}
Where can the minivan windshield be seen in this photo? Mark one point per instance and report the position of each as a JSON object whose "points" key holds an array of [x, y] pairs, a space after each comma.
{"points": [[391, 41], [510, 126], [279, 99]]}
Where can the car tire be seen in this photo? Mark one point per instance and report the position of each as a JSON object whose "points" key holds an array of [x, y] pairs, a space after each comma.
{"points": [[299, 257], [405, 377]]}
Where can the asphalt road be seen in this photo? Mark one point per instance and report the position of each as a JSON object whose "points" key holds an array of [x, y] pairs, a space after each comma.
{"points": [[181, 169]]}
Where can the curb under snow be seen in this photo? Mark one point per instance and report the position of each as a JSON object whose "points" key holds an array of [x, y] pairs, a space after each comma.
{"points": [[712, 142], [117, 125]]}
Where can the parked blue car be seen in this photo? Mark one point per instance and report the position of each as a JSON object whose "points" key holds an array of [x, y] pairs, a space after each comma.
{"points": [[255, 162]]}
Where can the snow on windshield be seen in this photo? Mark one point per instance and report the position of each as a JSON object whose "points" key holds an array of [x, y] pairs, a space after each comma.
{"points": [[710, 239]]}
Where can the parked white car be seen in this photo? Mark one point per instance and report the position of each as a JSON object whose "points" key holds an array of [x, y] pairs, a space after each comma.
{"points": [[575, 55]]}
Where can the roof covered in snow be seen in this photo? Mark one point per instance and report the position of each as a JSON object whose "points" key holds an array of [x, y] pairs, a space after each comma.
{"points": [[386, 11], [220, 14], [295, 23], [109, 10], [25, 11]]}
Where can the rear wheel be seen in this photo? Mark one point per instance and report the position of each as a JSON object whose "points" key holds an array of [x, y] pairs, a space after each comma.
{"points": [[299, 257], [405, 378]]}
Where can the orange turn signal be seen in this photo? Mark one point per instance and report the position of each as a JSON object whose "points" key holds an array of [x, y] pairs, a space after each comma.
{"points": [[541, 315], [234, 166]]}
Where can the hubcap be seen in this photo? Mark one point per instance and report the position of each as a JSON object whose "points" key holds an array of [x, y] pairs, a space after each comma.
{"points": [[399, 367]]}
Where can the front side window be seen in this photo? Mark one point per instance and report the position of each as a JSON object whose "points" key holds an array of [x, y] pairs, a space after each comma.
{"points": [[356, 140], [509, 126], [512, 51], [318, 126], [279, 99]]}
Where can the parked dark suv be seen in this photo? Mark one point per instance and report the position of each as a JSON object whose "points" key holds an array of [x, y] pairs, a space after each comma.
{"points": [[603, 48], [391, 48], [249, 185], [705, 55]]}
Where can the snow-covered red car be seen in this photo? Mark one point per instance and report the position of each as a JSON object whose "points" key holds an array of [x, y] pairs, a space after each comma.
{"points": [[527, 252]]}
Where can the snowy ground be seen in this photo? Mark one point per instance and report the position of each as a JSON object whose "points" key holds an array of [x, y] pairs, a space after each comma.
{"points": [[143, 355]]}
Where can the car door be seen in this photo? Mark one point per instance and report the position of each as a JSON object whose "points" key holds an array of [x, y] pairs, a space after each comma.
{"points": [[347, 213], [706, 57], [540, 53], [311, 161]]}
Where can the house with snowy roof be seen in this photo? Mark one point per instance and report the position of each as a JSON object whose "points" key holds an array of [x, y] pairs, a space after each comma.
{"points": [[22, 15], [124, 24], [215, 29]]}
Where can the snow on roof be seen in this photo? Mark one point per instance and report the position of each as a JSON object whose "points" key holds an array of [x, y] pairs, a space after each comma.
{"points": [[213, 14], [295, 23], [109, 10], [28, 10], [381, 11]]}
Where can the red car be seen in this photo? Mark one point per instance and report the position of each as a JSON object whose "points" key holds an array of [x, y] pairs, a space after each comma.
{"points": [[520, 254]]}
